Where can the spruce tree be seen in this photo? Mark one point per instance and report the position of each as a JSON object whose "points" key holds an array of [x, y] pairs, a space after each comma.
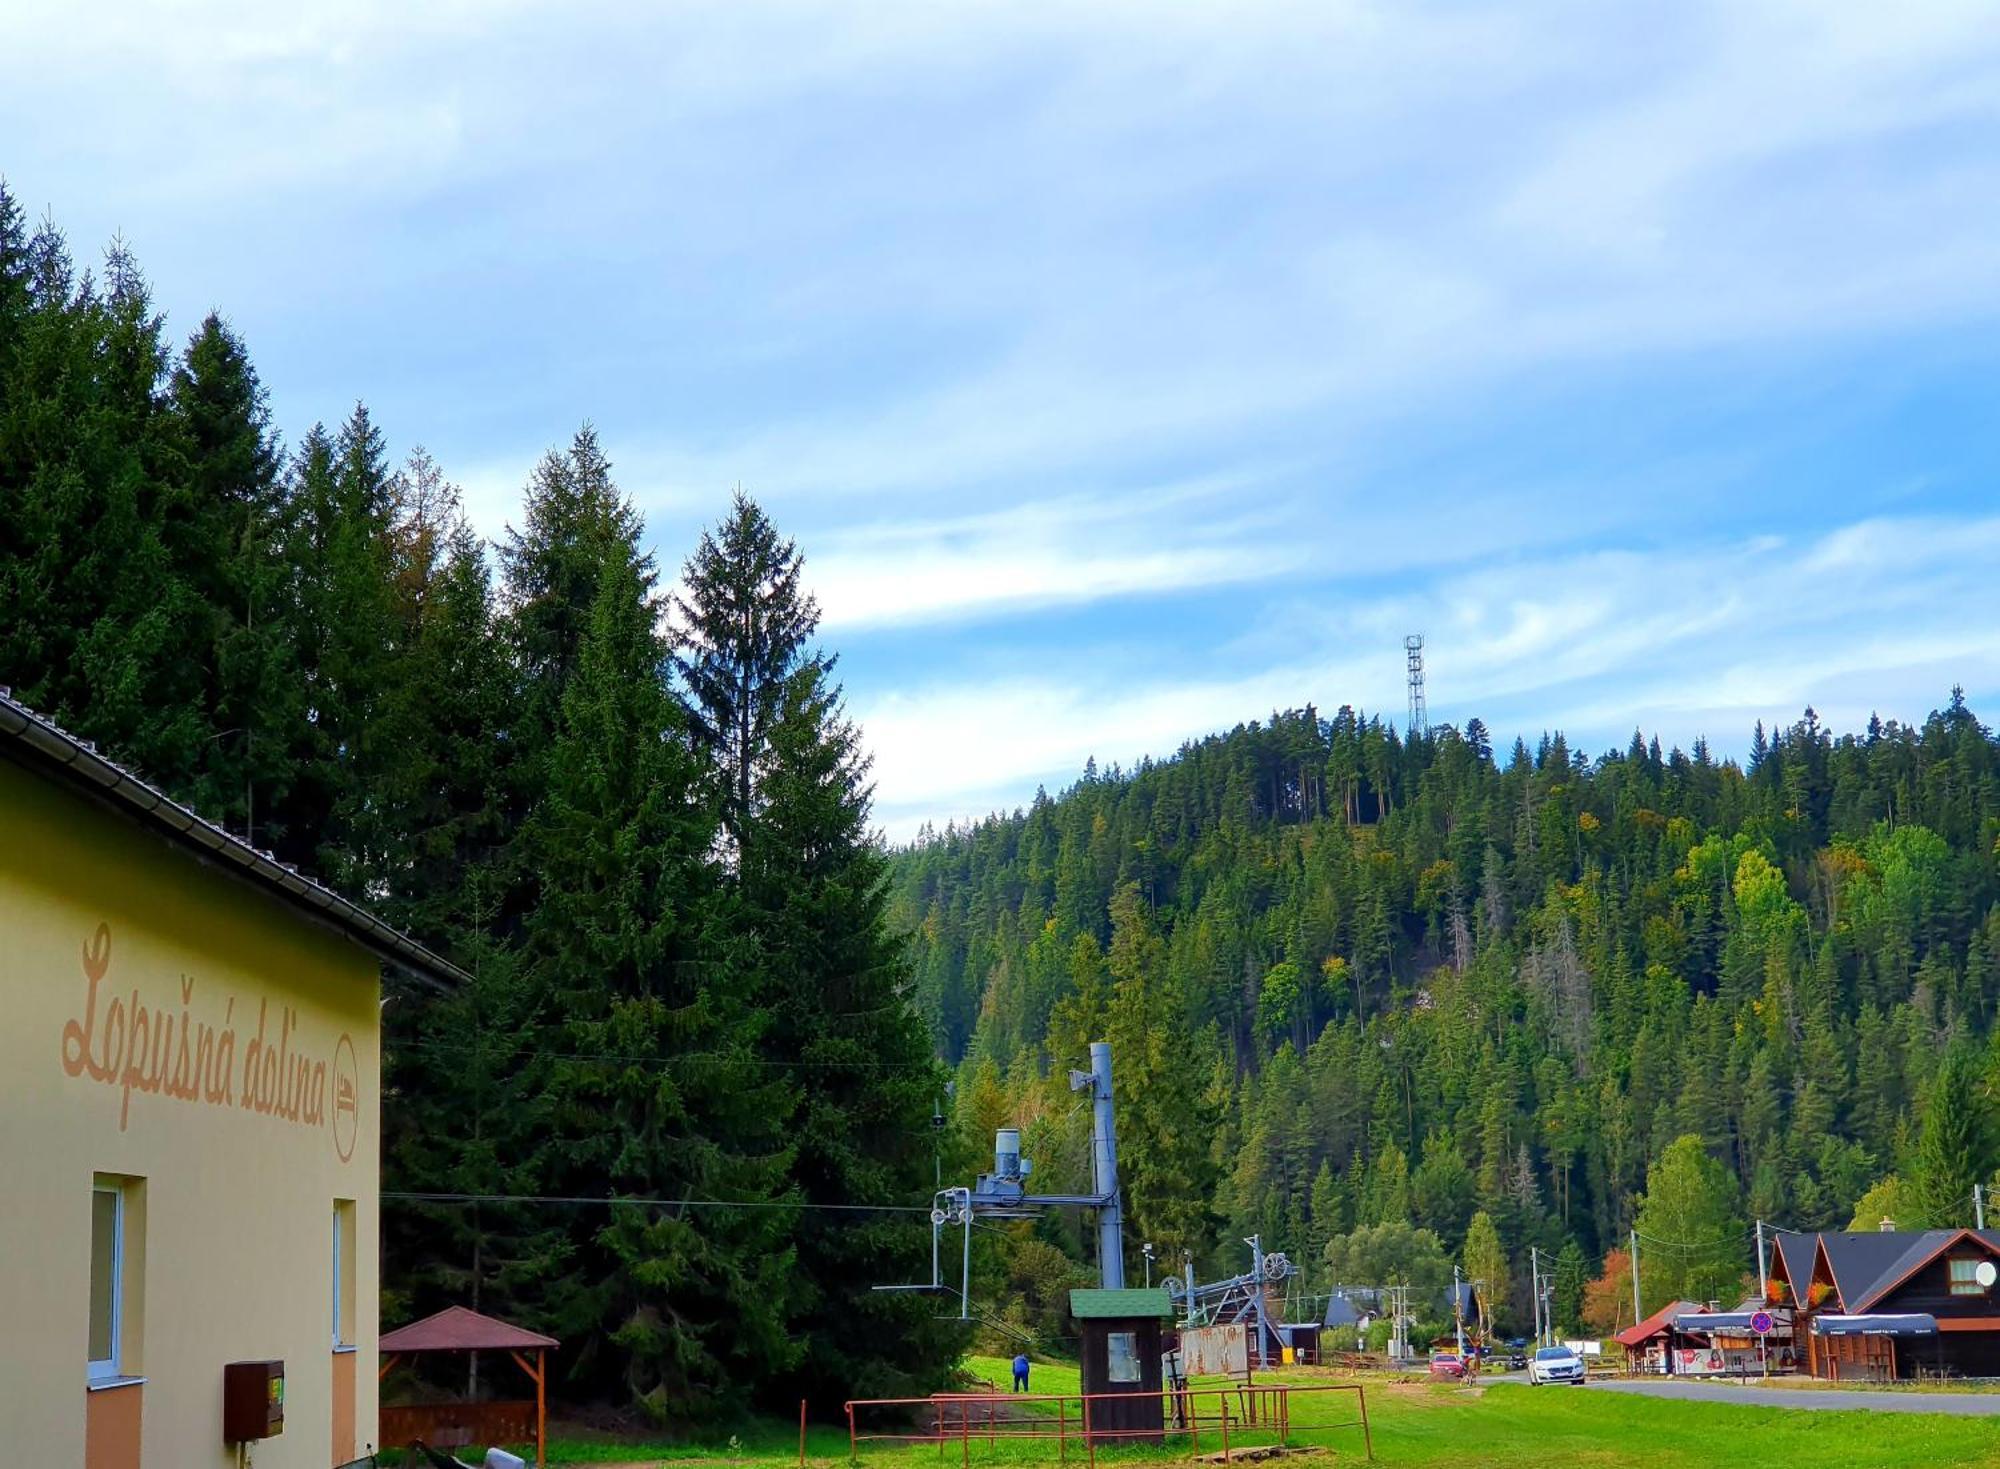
{"points": [[1954, 1149], [573, 518], [745, 624], [1166, 1121], [636, 970], [340, 621], [789, 776], [228, 545]]}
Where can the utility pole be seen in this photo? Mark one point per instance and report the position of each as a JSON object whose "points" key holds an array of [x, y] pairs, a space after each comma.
{"points": [[1978, 1206], [1458, 1312], [1535, 1267], [1638, 1312], [1763, 1280]]}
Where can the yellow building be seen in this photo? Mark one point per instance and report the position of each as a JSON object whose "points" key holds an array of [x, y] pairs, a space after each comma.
{"points": [[189, 1129]]}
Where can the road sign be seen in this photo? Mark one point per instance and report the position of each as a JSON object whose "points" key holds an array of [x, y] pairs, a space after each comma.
{"points": [[1761, 1323]]}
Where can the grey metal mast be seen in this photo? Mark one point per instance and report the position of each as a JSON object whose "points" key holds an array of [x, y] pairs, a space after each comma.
{"points": [[1104, 1168], [1003, 1193]]}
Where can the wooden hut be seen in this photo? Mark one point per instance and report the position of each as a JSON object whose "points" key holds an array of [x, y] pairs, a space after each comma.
{"points": [[1119, 1333]]}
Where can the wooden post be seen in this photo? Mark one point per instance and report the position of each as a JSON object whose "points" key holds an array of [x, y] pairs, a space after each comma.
{"points": [[539, 1372], [853, 1456], [541, 1408], [1367, 1438], [1225, 1430], [1089, 1439], [965, 1432], [802, 1433]]}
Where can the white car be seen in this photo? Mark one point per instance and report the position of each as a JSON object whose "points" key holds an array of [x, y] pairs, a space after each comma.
{"points": [[1555, 1364]]}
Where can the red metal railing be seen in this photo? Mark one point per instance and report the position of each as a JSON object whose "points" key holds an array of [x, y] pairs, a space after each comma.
{"points": [[1233, 1415]]}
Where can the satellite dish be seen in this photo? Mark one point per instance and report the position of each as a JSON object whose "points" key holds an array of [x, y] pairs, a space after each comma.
{"points": [[1986, 1273]]}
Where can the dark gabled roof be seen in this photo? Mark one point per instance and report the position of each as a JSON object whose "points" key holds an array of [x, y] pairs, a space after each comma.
{"points": [[1116, 1305], [1856, 1259], [1793, 1253], [455, 1329], [46, 748], [1341, 1311], [1923, 1249]]}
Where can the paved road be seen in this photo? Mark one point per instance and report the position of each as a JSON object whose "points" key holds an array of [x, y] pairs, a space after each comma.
{"points": [[1962, 1405]]}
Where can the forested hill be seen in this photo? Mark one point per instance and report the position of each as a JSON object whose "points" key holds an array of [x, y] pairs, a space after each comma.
{"points": [[1355, 979]]}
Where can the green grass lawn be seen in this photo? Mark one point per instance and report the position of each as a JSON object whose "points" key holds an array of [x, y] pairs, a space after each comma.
{"points": [[1421, 1425]]}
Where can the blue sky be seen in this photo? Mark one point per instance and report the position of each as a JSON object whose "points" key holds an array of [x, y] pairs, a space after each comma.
{"points": [[1127, 371]]}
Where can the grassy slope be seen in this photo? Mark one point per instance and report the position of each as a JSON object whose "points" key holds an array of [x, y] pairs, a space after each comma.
{"points": [[1418, 1425], [1424, 1426]]}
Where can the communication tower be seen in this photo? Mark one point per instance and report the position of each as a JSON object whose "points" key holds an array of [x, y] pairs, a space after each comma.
{"points": [[1420, 720]]}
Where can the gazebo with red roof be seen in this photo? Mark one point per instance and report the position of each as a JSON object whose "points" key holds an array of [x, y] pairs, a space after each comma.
{"points": [[455, 1425]]}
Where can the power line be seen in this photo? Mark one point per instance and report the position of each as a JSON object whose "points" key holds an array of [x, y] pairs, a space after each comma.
{"points": [[1694, 1247], [456, 1198], [503, 1052]]}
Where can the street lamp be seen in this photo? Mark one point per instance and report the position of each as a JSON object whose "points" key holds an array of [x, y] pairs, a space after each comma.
{"points": [[1147, 1251]]}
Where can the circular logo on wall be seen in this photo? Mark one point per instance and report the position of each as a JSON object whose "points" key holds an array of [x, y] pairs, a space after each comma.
{"points": [[346, 1098]]}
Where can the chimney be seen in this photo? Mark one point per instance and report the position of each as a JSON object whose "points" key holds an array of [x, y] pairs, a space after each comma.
{"points": [[1887, 1226]]}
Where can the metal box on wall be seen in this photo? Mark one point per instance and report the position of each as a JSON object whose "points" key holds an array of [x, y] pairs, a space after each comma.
{"points": [[253, 1401]]}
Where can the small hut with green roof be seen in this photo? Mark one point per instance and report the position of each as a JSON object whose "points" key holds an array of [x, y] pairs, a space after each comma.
{"points": [[1118, 1333]]}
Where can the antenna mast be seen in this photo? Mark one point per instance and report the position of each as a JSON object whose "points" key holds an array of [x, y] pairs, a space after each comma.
{"points": [[1420, 720]]}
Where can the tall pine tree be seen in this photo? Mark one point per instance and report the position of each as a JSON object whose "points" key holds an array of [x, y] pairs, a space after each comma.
{"points": [[790, 776]]}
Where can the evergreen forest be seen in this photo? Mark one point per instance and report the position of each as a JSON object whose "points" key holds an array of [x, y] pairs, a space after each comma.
{"points": [[1396, 1001], [639, 820]]}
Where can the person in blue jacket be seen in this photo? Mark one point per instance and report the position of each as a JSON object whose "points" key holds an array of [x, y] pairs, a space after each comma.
{"points": [[1021, 1373]]}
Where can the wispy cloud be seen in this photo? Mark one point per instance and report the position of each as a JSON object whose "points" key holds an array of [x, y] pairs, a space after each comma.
{"points": [[1686, 643], [1044, 553]]}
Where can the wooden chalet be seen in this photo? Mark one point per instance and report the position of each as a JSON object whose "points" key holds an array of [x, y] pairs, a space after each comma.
{"points": [[1889, 1304]]}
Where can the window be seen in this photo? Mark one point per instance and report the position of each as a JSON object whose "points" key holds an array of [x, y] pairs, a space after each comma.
{"points": [[343, 1274], [107, 1287], [1122, 1356], [1965, 1278]]}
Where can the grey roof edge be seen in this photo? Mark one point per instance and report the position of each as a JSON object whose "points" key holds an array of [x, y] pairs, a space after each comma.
{"points": [[49, 746]]}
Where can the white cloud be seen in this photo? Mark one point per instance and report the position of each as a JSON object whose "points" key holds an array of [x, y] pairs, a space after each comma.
{"points": [[1043, 553], [1686, 643]]}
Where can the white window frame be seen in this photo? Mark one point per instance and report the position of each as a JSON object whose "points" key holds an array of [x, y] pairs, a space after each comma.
{"points": [[1121, 1357], [337, 1280], [345, 1225], [100, 1370]]}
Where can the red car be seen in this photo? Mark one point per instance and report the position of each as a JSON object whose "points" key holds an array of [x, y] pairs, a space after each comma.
{"points": [[1447, 1364]]}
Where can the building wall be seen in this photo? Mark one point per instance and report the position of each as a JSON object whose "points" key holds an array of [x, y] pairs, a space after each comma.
{"points": [[252, 1107]]}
